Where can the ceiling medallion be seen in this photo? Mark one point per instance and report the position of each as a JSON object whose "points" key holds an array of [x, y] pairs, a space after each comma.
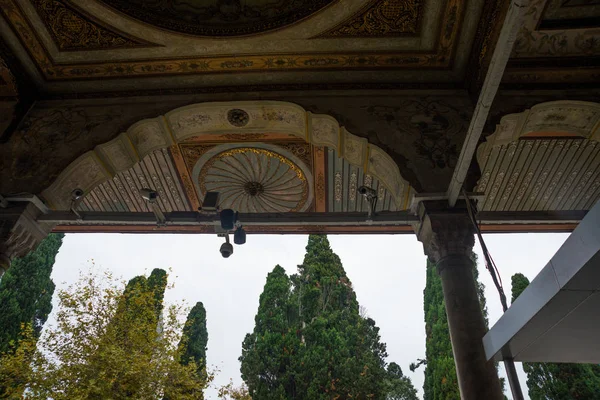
{"points": [[255, 180], [219, 17], [237, 117]]}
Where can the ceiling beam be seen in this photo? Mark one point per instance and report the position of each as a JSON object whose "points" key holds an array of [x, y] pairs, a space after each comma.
{"points": [[502, 50], [509, 219]]}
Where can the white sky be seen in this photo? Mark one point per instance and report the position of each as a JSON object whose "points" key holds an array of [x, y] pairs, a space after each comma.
{"points": [[387, 271]]}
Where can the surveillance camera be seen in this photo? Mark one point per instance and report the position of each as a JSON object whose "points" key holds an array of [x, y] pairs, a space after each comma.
{"points": [[226, 249], [239, 236], [76, 194], [366, 191], [149, 195]]}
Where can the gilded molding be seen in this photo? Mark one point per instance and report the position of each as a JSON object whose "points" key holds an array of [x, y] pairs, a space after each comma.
{"points": [[440, 58]]}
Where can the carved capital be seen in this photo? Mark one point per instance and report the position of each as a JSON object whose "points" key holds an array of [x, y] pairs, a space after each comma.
{"points": [[20, 233], [446, 233]]}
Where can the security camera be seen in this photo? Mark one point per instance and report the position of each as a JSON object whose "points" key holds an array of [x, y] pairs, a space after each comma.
{"points": [[239, 236], [149, 195], [226, 249], [76, 194], [366, 191]]}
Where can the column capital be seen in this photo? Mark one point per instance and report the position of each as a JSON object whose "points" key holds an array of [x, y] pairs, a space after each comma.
{"points": [[445, 232], [20, 232]]}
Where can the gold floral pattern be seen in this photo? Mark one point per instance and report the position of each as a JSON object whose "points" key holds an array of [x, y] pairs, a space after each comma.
{"points": [[439, 58], [382, 18], [72, 30]]}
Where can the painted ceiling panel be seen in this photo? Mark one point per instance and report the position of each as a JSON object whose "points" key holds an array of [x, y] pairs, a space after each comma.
{"points": [[250, 178], [541, 175]]}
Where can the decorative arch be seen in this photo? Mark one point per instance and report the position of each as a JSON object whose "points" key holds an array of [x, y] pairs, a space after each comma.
{"points": [[544, 158], [239, 121]]}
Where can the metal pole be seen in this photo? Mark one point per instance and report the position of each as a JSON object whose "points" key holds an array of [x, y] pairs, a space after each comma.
{"points": [[513, 379]]}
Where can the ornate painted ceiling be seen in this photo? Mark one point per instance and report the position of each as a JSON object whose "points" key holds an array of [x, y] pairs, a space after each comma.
{"points": [[559, 42], [262, 157], [70, 45]]}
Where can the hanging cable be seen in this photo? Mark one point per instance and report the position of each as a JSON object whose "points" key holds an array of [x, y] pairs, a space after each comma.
{"points": [[489, 262]]}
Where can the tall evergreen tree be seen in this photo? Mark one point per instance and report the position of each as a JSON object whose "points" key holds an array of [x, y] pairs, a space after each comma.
{"points": [[26, 291], [194, 340], [267, 363], [557, 381], [310, 341], [440, 372]]}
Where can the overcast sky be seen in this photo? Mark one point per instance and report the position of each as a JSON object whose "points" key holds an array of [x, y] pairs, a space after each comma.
{"points": [[387, 271]]}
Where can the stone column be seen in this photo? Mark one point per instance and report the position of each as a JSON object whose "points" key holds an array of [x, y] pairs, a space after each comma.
{"points": [[448, 238], [20, 233]]}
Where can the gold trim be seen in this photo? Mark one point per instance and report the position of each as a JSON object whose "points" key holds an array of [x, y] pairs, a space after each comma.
{"points": [[52, 71]]}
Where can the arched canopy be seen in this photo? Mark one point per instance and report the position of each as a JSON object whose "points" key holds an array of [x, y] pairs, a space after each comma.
{"points": [[239, 122]]}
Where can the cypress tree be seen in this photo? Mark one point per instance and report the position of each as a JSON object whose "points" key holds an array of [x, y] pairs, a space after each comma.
{"points": [[194, 340], [26, 291], [336, 358], [310, 341], [441, 382], [267, 353], [557, 381]]}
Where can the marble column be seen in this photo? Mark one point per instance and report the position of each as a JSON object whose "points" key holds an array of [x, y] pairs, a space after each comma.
{"points": [[20, 233], [448, 238]]}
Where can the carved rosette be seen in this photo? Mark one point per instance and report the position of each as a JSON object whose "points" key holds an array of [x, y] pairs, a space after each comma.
{"points": [[255, 180]]}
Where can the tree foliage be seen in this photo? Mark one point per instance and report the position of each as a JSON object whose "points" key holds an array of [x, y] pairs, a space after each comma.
{"points": [[107, 345], [195, 337], [398, 386], [552, 381], [26, 291], [232, 392], [441, 382], [268, 353], [310, 340]]}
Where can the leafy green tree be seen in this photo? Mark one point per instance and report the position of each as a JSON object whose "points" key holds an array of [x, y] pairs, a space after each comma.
{"points": [[310, 341], [106, 345], [26, 291], [553, 381], [398, 386], [267, 353]]}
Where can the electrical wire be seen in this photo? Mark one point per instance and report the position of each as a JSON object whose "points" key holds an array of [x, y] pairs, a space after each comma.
{"points": [[489, 261]]}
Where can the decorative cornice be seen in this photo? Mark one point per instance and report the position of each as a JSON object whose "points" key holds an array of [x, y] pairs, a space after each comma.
{"points": [[381, 18], [72, 29], [440, 58]]}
